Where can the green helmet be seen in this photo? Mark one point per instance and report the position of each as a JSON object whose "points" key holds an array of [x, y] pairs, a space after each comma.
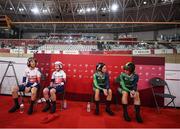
{"points": [[130, 67]]}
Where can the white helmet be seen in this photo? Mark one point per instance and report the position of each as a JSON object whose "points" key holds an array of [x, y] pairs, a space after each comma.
{"points": [[59, 63]]}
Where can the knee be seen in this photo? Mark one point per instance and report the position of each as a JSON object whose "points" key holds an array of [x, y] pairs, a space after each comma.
{"points": [[124, 95], [45, 91], [96, 92], [33, 91], [33, 94], [52, 91], [15, 89], [110, 92], [137, 98]]}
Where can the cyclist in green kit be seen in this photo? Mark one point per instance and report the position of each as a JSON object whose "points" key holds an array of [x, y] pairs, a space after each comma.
{"points": [[128, 81], [101, 85]]}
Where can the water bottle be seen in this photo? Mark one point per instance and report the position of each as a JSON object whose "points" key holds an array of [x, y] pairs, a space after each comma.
{"points": [[88, 107], [65, 104], [22, 108]]}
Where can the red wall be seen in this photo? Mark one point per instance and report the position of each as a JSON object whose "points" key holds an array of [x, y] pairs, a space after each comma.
{"points": [[147, 68], [80, 68]]}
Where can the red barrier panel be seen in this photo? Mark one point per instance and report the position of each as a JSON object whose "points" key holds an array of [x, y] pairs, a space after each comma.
{"points": [[118, 52], [147, 68], [4, 50], [80, 68]]}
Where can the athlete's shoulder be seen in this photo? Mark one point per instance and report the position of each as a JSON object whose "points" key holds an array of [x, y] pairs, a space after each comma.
{"points": [[27, 69], [61, 71], [36, 68], [54, 72], [123, 74]]}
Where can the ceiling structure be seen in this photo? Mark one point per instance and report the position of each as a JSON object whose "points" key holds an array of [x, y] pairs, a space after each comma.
{"points": [[91, 10]]}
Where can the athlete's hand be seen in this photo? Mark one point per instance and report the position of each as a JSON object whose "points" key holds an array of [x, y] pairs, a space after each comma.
{"points": [[33, 85], [105, 92], [62, 83], [23, 84], [132, 93]]}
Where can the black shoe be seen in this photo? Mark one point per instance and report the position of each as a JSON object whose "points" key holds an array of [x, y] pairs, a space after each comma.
{"points": [[97, 111], [125, 113], [110, 112], [139, 119], [97, 107], [30, 110], [14, 108], [46, 108], [53, 108], [138, 116], [126, 117]]}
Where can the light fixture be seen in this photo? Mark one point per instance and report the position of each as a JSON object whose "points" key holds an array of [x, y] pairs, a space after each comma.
{"points": [[93, 9], [114, 7], [145, 2], [81, 11], [11, 8], [88, 9], [103, 9], [166, 1], [44, 10], [35, 10], [21, 9]]}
